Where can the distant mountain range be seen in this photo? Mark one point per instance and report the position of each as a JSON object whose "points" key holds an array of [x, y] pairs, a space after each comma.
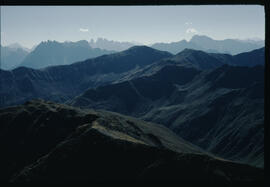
{"points": [[45, 142], [207, 44], [52, 53], [197, 42]]}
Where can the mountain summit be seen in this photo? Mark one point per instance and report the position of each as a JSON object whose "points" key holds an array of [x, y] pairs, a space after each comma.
{"points": [[51, 53]]}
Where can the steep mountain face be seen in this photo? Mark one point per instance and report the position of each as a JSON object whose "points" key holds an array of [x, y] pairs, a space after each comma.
{"points": [[53, 53], [103, 43], [221, 110], [207, 44], [11, 57], [55, 143], [59, 83]]}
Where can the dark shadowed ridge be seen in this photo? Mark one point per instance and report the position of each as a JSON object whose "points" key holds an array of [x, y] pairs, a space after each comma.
{"points": [[44, 142], [199, 60]]}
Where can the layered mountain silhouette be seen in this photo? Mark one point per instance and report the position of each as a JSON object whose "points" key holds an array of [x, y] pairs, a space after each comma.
{"points": [[60, 83], [207, 44], [45, 142], [209, 107], [52, 53], [12, 56], [181, 91]]}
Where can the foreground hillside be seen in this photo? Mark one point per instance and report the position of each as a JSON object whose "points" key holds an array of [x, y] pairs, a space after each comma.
{"points": [[54, 143]]}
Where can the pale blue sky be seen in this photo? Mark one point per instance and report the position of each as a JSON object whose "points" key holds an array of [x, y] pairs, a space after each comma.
{"points": [[29, 25]]}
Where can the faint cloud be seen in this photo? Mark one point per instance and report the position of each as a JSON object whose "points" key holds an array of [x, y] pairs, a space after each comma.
{"points": [[83, 30], [188, 23], [191, 31]]}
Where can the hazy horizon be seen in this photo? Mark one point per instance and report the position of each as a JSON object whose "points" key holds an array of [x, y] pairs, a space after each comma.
{"points": [[30, 25]]}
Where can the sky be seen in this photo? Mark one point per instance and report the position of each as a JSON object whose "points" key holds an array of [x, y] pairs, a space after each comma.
{"points": [[29, 25]]}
